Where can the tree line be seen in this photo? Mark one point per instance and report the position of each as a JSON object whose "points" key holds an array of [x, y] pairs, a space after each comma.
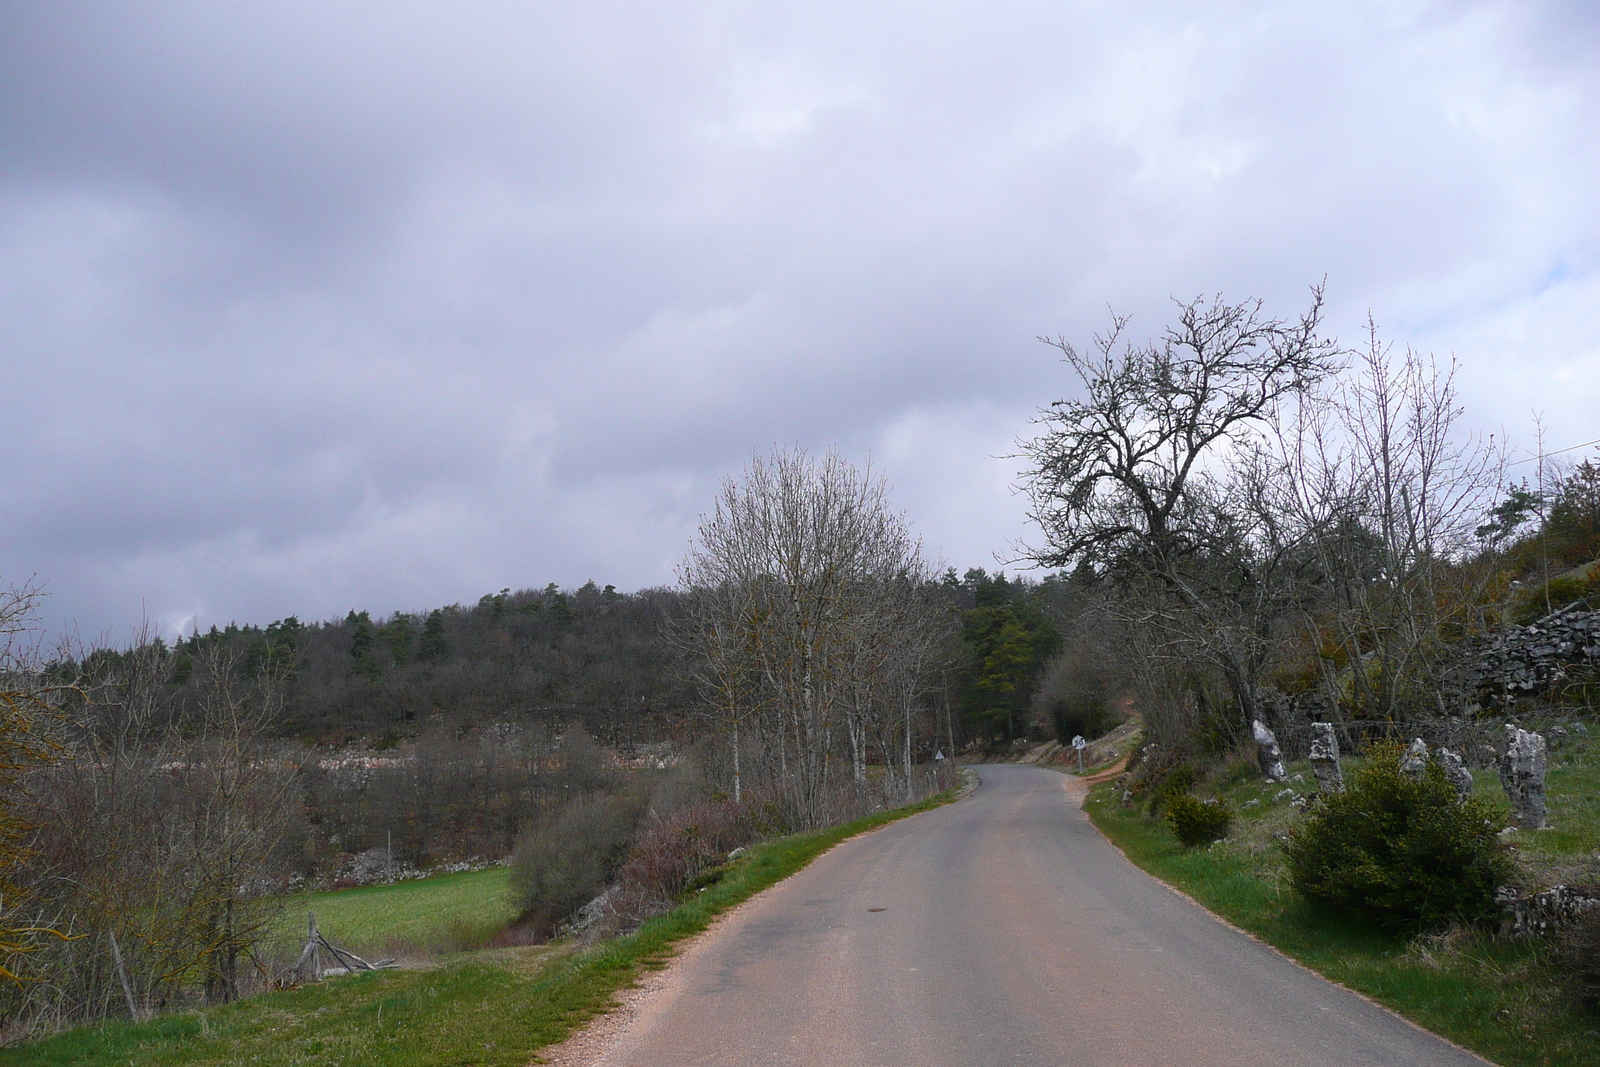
{"points": [[591, 655]]}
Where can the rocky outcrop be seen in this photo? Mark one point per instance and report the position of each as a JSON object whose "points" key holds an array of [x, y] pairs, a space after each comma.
{"points": [[375, 866], [1325, 758], [1528, 660], [1522, 776], [1455, 769], [1415, 762], [1417, 757], [1544, 912], [1268, 754]]}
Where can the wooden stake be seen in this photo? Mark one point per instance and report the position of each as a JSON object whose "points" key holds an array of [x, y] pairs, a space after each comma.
{"points": [[310, 952]]}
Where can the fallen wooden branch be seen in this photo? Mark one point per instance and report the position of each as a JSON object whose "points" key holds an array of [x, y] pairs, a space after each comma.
{"points": [[310, 961]]}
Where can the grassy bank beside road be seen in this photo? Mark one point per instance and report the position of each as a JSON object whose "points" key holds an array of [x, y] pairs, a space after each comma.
{"points": [[1495, 997], [481, 1009]]}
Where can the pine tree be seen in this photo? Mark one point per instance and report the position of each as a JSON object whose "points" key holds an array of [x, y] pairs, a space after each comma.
{"points": [[433, 644]]}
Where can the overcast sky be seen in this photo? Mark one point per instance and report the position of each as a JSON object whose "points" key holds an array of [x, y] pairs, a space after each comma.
{"points": [[311, 307]]}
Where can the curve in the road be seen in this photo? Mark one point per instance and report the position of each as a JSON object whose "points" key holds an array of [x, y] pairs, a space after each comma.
{"points": [[1000, 930]]}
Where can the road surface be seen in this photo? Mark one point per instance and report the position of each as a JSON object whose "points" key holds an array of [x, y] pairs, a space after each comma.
{"points": [[1002, 930]]}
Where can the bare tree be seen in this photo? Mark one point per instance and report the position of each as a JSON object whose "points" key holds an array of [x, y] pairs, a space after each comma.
{"points": [[28, 704], [1153, 475], [157, 833], [720, 628], [1392, 500], [794, 584]]}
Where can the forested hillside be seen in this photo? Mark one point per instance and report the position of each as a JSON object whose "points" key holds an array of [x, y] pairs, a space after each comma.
{"points": [[591, 656]]}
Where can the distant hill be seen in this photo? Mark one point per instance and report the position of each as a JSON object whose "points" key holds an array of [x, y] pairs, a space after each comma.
{"points": [[591, 655]]}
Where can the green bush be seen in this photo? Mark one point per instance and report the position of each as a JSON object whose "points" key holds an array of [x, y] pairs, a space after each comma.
{"points": [[570, 856], [1198, 822], [1557, 593], [1175, 781], [1402, 851]]}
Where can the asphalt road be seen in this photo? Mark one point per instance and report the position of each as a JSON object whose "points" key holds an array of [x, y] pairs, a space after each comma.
{"points": [[1000, 930]]}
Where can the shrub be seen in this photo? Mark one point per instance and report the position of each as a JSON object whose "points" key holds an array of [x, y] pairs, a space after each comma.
{"points": [[1076, 695], [1174, 782], [1557, 593], [675, 853], [570, 856], [1198, 822], [1402, 851], [1578, 958], [678, 853]]}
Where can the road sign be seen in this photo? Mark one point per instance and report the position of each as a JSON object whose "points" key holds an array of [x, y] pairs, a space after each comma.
{"points": [[1078, 743]]}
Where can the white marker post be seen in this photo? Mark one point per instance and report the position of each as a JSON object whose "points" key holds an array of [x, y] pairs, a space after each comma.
{"points": [[1078, 743]]}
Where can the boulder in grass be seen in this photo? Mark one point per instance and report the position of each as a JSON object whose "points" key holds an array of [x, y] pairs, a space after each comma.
{"points": [[1455, 770], [1415, 762]]}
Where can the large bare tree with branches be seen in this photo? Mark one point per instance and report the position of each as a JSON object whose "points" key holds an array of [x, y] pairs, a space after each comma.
{"points": [[1152, 473]]}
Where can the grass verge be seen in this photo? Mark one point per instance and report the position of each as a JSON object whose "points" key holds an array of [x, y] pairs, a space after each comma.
{"points": [[484, 1009], [1495, 997]]}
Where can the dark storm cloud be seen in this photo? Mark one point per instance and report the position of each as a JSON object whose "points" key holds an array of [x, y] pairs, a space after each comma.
{"points": [[319, 306]]}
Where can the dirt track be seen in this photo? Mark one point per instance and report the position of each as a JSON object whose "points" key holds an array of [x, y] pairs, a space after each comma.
{"points": [[1000, 930]]}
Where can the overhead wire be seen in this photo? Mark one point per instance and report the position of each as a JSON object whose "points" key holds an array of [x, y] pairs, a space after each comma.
{"points": [[1557, 452]]}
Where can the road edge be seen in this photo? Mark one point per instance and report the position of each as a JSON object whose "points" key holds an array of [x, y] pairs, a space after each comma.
{"points": [[590, 1040], [1079, 795]]}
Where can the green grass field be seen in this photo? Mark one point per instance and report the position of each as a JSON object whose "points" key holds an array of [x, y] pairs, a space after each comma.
{"points": [[494, 1008], [1498, 998], [450, 913]]}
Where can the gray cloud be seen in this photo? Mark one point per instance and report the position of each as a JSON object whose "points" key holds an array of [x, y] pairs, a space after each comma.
{"points": [[336, 305]]}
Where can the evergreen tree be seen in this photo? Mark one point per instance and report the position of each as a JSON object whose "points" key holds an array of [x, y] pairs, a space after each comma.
{"points": [[560, 607], [361, 652], [397, 634], [433, 644], [1008, 641], [1574, 524]]}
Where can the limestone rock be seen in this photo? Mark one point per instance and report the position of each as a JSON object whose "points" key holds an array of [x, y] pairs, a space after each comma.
{"points": [[1522, 776], [1415, 761], [1268, 754], [1456, 771], [373, 867], [1325, 758], [1542, 913], [1526, 660]]}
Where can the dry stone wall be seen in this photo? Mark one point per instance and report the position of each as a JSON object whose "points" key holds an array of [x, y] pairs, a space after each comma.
{"points": [[1530, 660]]}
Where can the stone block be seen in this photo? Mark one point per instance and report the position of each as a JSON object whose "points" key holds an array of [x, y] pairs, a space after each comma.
{"points": [[1268, 754], [1325, 758], [1522, 776]]}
